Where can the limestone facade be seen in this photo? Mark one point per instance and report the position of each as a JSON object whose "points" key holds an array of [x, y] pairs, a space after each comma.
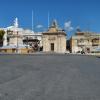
{"points": [[84, 41], [54, 40]]}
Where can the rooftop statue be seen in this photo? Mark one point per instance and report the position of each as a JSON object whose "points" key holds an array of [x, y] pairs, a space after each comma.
{"points": [[54, 24]]}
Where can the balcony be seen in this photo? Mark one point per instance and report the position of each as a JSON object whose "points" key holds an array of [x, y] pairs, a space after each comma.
{"points": [[81, 43], [95, 43]]}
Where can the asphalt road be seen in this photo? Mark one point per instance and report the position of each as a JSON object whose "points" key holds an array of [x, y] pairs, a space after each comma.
{"points": [[49, 77]]}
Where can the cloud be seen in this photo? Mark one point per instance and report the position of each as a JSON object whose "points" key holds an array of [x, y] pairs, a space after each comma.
{"points": [[39, 26], [68, 26]]}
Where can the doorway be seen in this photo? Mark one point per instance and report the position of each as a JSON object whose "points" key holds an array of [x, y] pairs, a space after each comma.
{"points": [[52, 46]]}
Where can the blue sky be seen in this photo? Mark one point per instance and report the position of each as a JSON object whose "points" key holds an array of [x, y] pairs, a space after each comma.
{"points": [[81, 13]]}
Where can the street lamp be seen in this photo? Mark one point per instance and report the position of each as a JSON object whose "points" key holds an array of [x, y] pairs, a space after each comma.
{"points": [[17, 41]]}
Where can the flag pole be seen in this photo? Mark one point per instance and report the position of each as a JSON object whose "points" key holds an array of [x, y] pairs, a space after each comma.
{"points": [[32, 20], [48, 19]]}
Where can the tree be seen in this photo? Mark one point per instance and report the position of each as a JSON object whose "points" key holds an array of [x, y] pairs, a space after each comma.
{"points": [[2, 32]]}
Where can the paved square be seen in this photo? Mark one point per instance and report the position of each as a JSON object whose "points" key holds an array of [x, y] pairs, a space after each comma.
{"points": [[49, 77]]}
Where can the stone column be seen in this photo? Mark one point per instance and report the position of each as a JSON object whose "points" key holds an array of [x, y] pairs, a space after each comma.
{"points": [[5, 39]]}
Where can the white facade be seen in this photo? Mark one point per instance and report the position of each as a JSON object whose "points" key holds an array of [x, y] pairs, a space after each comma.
{"points": [[16, 35]]}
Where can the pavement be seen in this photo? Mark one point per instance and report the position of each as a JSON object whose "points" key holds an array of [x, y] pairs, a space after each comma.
{"points": [[49, 77]]}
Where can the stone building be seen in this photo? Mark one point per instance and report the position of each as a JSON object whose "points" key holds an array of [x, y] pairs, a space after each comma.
{"points": [[17, 38], [54, 40], [84, 41]]}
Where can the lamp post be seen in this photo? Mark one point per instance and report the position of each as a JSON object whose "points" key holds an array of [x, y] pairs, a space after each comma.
{"points": [[17, 42]]}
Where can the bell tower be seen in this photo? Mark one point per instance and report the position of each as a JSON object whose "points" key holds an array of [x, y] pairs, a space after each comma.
{"points": [[16, 22]]}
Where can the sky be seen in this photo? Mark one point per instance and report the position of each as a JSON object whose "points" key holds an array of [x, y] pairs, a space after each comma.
{"points": [[69, 14]]}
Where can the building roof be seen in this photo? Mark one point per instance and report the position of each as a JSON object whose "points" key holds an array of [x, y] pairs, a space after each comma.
{"points": [[8, 47], [54, 29], [13, 47]]}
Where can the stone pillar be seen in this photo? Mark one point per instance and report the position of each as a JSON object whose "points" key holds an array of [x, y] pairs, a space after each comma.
{"points": [[5, 39]]}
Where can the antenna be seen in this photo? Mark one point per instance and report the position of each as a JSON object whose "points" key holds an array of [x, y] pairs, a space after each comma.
{"points": [[48, 19], [32, 20]]}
